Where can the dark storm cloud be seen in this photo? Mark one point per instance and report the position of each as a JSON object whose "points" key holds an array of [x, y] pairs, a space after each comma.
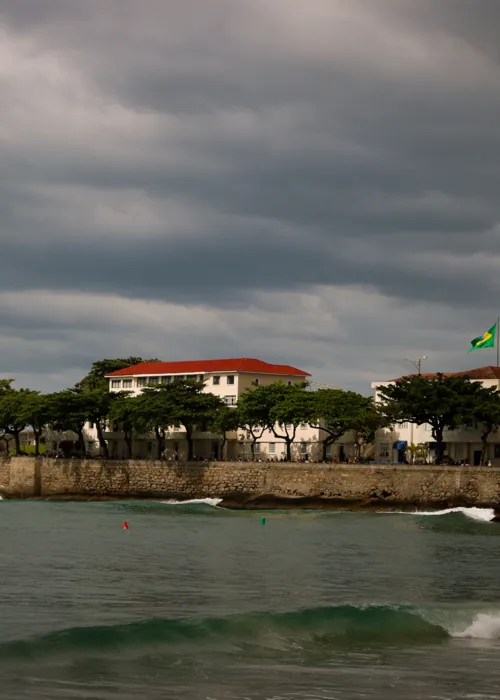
{"points": [[210, 154]]}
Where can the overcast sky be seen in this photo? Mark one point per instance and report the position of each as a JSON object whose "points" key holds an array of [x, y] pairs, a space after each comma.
{"points": [[314, 183]]}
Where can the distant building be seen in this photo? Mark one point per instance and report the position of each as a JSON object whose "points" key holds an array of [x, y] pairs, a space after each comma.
{"points": [[462, 446], [228, 379]]}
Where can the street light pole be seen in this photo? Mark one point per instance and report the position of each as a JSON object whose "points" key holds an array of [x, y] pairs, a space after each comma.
{"points": [[417, 363], [418, 366]]}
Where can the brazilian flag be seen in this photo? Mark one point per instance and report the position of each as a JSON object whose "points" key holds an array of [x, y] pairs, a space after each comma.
{"points": [[484, 341]]}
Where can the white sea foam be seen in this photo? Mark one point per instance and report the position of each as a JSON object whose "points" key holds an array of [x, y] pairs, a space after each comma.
{"points": [[195, 501], [481, 514], [483, 626]]}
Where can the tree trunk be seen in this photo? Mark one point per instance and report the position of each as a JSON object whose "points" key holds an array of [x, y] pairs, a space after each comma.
{"points": [[17, 443], [223, 447], [324, 445], [438, 437], [127, 434], [36, 434], [81, 440], [252, 448], [484, 451], [289, 449], [190, 443], [160, 442], [102, 442]]}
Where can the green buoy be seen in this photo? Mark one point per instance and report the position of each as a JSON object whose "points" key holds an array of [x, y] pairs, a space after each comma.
{"points": [[262, 521]]}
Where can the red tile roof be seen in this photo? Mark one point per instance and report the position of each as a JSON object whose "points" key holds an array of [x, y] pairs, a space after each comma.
{"points": [[489, 372], [240, 364]]}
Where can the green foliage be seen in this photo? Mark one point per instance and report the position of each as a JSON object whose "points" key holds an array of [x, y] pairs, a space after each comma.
{"points": [[338, 412], [126, 410], [33, 410], [275, 406], [443, 402], [486, 417], [225, 419], [12, 420]]}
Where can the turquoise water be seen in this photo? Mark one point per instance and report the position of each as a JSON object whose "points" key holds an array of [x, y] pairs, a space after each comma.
{"points": [[193, 601]]}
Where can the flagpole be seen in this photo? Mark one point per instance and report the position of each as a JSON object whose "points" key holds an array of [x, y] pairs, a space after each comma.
{"points": [[498, 346]]}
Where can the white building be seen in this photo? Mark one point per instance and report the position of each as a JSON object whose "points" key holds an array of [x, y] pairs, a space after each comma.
{"points": [[462, 446], [227, 378]]}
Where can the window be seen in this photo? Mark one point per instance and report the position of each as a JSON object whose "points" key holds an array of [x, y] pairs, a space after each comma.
{"points": [[127, 383], [216, 381], [153, 380], [257, 448], [166, 380], [404, 425], [230, 379], [201, 378], [230, 400], [496, 452], [288, 426], [116, 383], [256, 382], [142, 381], [272, 448], [303, 448], [384, 449], [329, 450], [303, 426]]}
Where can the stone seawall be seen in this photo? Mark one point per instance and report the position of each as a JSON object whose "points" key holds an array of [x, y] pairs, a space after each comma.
{"points": [[254, 484]]}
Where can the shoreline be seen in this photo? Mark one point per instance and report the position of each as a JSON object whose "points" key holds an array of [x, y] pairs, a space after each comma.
{"points": [[266, 502], [255, 486]]}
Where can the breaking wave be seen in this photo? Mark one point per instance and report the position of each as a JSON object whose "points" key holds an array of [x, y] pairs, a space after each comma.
{"points": [[194, 501], [481, 514], [311, 630]]}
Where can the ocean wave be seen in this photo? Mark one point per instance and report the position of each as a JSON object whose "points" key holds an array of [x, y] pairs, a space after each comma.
{"points": [[480, 514], [194, 501], [313, 630]]}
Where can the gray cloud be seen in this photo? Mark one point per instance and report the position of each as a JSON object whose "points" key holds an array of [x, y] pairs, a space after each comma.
{"points": [[209, 162]]}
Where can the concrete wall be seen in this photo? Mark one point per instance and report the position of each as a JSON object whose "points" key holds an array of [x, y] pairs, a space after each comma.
{"points": [[240, 482]]}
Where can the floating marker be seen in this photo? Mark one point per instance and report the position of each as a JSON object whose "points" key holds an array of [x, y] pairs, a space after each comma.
{"points": [[262, 521], [125, 525]]}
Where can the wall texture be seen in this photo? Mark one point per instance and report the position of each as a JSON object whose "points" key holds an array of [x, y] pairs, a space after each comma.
{"points": [[254, 484]]}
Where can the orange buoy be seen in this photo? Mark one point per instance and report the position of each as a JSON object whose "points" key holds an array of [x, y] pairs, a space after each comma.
{"points": [[125, 525]]}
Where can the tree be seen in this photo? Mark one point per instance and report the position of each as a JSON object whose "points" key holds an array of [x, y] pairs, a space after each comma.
{"points": [[193, 408], [336, 412], [155, 411], [443, 402], [99, 402], [12, 421], [33, 411], [127, 411], [226, 419], [181, 403], [486, 416], [277, 407], [68, 410], [365, 424], [254, 412], [291, 407]]}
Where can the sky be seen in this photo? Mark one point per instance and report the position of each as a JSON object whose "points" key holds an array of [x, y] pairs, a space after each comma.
{"points": [[310, 183]]}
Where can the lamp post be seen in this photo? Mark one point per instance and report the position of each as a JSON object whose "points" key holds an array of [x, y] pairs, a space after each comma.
{"points": [[418, 366], [417, 363]]}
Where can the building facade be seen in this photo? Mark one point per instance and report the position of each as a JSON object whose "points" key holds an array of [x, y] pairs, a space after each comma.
{"points": [[227, 379], [411, 442]]}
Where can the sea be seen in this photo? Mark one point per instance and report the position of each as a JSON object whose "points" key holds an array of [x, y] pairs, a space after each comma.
{"points": [[155, 600]]}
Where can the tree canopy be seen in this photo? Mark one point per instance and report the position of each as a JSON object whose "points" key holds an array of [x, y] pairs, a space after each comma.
{"points": [[442, 402]]}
